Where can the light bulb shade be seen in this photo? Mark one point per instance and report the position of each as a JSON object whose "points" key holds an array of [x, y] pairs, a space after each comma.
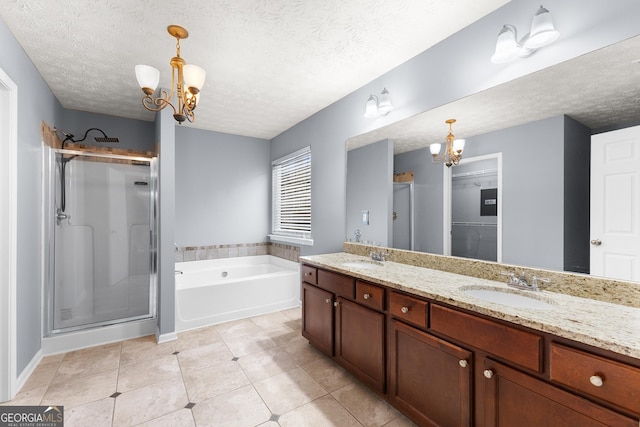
{"points": [[148, 77], [435, 149], [507, 47], [194, 76], [458, 145], [384, 104], [542, 30], [372, 107]]}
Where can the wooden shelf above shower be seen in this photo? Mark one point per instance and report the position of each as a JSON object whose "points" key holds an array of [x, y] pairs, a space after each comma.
{"points": [[403, 177]]}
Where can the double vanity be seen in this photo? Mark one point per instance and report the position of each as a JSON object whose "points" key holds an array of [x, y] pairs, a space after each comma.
{"points": [[456, 350]]}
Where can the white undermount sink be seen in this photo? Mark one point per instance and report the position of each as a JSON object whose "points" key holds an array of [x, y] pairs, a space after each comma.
{"points": [[508, 297], [361, 264]]}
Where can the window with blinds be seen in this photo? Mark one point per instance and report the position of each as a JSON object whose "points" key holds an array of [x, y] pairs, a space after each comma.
{"points": [[291, 188]]}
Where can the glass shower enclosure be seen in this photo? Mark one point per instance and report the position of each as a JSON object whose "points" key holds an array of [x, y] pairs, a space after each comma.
{"points": [[102, 239]]}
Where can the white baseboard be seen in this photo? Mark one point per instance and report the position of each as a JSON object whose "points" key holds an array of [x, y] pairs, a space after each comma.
{"points": [[27, 371], [63, 343], [163, 338]]}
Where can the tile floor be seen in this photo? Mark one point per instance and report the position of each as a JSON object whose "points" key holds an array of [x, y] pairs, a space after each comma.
{"points": [[251, 372]]}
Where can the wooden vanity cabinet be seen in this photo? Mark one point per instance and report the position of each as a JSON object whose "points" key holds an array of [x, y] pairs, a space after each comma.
{"points": [[338, 321], [360, 342], [317, 317], [512, 398], [444, 366], [430, 379]]}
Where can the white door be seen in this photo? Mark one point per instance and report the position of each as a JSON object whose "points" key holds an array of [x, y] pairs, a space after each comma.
{"points": [[8, 234], [615, 191]]}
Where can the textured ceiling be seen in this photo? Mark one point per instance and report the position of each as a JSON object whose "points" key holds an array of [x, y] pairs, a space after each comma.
{"points": [[598, 89], [270, 63]]}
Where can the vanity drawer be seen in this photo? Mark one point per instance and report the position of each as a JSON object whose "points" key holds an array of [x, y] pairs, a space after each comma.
{"points": [[409, 309], [511, 344], [336, 283], [309, 274], [370, 295], [611, 381]]}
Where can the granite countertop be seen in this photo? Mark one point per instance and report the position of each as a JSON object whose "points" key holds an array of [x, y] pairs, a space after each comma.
{"points": [[600, 324]]}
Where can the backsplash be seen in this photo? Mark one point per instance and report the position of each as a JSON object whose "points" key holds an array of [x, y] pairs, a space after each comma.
{"points": [[198, 253], [579, 285]]}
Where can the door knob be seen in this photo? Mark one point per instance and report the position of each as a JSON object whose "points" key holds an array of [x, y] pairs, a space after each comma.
{"points": [[596, 242]]}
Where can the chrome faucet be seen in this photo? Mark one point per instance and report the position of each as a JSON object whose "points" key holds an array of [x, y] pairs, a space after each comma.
{"points": [[380, 256], [520, 281], [357, 235]]}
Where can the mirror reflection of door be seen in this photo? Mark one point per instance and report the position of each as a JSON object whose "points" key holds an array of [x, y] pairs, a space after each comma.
{"points": [[403, 215], [615, 209], [474, 220]]}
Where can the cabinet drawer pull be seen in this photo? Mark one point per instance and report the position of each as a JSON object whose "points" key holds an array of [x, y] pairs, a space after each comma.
{"points": [[328, 300], [335, 304], [463, 363], [488, 373], [597, 380], [366, 296], [308, 274], [405, 310]]}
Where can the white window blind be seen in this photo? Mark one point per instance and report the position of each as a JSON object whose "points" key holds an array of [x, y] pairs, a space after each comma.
{"points": [[291, 187]]}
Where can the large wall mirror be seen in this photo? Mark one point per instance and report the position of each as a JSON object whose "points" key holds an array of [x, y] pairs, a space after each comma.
{"points": [[541, 124]]}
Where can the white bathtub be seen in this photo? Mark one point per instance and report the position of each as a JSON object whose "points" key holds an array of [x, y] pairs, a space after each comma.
{"points": [[219, 290]]}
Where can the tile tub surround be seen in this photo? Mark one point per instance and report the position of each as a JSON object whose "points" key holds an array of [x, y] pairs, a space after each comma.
{"points": [[579, 285], [199, 253], [597, 323]]}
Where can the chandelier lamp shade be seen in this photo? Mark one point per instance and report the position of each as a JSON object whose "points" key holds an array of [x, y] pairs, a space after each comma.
{"points": [[453, 148], [378, 106], [186, 82], [542, 33]]}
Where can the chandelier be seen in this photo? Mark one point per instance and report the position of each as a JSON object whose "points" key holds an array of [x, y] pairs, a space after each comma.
{"points": [[453, 150], [187, 78]]}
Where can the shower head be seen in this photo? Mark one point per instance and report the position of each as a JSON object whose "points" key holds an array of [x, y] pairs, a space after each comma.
{"points": [[69, 136], [106, 139], [103, 138]]}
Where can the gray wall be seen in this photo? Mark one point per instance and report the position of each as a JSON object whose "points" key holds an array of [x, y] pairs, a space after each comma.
{"points": [[533, 191], [423, 83], [35, 104], [223, 188], [370, 187], [165, 135], [133, 134]]}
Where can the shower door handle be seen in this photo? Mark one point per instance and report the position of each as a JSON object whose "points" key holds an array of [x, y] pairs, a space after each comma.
{"points": [[60, 216]]}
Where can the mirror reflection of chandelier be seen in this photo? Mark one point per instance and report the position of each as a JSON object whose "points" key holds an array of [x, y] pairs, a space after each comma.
{"points": [[453, 149], [187, 78]]}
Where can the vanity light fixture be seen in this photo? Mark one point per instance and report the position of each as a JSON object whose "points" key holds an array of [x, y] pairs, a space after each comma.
{"points": [[187, 78], [378, 106], [453, 150], [542, 33]]}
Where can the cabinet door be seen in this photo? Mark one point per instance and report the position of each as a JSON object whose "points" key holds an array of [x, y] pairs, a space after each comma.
{"points": [[317, 317], [516, 399], [430, 379], [359, 342]]}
